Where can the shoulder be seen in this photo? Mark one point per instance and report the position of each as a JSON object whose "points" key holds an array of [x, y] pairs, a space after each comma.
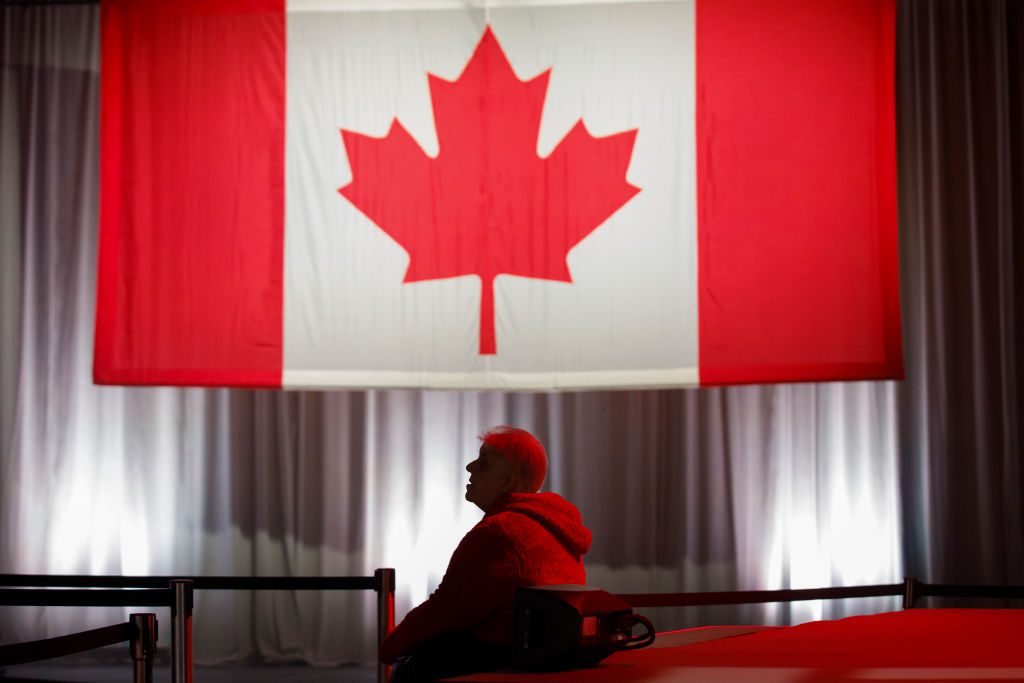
{"points": [[497, 534], [487, 548], [495, 528], [489, 533]]}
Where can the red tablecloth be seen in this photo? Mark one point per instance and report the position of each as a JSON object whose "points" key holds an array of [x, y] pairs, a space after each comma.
{"points": [[912, 645]]}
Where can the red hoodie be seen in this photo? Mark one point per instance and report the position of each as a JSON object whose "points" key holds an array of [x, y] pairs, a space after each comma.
{"points": [[525, 539]]}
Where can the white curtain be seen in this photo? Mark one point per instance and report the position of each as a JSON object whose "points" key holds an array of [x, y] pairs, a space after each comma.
{"points": [[740, 488]]}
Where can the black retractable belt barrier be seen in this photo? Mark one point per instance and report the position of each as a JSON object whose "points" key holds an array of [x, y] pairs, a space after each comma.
{"points": [[21, 653], [752, 597], [140, 632], [85, 598], [153, 591], [917, 590]]}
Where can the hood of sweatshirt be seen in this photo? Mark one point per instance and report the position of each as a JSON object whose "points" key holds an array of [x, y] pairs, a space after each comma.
{"points": [[560, 517]]}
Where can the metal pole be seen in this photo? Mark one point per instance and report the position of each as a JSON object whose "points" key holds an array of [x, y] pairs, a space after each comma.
{"points": [[385, 614], [143, 646], [909, 591], [181, 631]]}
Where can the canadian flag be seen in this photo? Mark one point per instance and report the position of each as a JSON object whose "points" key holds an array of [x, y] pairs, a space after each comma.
{"points": [[521, 195]]}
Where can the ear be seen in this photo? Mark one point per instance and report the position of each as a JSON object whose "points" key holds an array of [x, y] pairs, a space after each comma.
{"points": [[512, 482]]}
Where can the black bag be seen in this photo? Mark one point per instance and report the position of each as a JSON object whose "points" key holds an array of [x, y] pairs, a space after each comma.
{"points": [[565, 627]]}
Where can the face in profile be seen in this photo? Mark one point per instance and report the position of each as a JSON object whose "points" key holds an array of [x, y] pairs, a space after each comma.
{"points": [[490, 476]]}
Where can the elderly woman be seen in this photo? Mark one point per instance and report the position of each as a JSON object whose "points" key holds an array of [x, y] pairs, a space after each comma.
{"points": [[525, 538]]}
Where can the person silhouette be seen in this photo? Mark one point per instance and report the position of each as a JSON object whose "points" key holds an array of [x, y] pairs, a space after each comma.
{"points": [[525, 538]]}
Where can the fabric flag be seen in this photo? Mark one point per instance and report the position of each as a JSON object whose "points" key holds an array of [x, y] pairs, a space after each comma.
{"points": [[528, 195]]}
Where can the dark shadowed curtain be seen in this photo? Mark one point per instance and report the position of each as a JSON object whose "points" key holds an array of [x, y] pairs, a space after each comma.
{"points": [[738, 488], [960, 82]]}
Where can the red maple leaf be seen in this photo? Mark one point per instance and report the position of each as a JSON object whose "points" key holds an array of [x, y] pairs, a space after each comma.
{"points": [[488, 204]]}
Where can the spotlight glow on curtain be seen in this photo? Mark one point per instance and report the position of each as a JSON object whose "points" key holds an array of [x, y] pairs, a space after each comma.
{"points": [[588, 195]]}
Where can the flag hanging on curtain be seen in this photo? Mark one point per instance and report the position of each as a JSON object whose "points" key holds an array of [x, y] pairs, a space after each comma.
{"points": [[532, 195]]}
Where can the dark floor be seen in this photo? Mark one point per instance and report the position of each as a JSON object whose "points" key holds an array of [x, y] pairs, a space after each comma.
{"points": [[56, 672]]}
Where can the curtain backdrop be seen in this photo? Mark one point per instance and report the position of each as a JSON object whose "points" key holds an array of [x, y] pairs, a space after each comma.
{"points": [[738, 488]]}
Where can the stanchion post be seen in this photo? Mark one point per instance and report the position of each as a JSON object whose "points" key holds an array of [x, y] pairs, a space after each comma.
{"points": [[385, 580], [910, 585], [143, 646], [181, 631]]}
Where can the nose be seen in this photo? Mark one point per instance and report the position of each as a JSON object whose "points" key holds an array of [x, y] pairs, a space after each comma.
{"points": [[470, 467]]}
